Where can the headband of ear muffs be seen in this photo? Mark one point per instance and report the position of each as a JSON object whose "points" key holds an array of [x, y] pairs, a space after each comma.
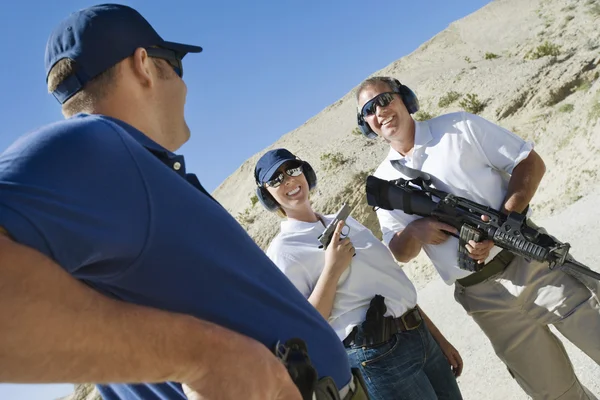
{"points": [[270, 203], [409, 98]]}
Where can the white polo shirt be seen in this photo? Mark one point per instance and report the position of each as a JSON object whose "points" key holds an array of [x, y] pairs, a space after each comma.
{"points": [[295, 250], [467, 156]]}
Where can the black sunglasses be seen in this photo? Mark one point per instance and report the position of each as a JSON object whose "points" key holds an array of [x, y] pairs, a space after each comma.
{"points": [[169, 56], [381, 100], [278, 179]]}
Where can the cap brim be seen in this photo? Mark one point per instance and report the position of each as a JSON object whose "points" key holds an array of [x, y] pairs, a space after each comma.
{"points": [[267, 176], [181, 49]]}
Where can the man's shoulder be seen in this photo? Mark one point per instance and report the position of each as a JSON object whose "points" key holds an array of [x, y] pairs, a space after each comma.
{"points": [[76, 131], [459, 119], [449, 119]]}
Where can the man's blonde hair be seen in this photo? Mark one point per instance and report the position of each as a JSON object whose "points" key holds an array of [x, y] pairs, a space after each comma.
{"points": [[93, 91]]}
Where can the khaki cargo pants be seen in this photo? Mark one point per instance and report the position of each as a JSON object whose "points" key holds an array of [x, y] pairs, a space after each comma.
{"points": [[514, 309]]}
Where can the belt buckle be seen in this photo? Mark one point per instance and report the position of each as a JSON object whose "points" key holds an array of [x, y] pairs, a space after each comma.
{"points": [[402, 318]]}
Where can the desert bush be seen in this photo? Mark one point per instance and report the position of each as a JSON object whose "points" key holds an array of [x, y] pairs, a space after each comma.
{"points": [[543, 50], [491, 56], [594, 113], [245, 219], [468, 59], [333, 160], [422, 116], [584, 86], [356, 131], [566, 108], [471, 104], [254, 200], [448, 99]]}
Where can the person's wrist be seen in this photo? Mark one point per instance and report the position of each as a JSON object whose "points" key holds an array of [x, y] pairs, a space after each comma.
{"points": [[412, 229], [333, 269], [201, 345]]}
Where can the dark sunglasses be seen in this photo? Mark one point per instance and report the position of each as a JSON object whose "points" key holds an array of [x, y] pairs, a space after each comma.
{"points": [[169, 56], [381, 100], [278, 179]]}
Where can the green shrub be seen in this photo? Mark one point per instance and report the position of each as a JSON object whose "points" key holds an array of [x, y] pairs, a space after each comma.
{"points": [[254, 200], [472, 104], [594, 113], [333, 160], [565, 108], [245, 219], [422, 116], [584, 86], [356, 131], [448, 99], [491, 56], [543, 50]]}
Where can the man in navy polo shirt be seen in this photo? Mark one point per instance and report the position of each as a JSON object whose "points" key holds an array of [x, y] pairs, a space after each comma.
{"points": [[116, 266]]}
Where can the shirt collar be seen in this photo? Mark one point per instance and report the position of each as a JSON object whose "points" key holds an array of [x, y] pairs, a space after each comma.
{"points": [[422, 137], [295, 226], [174, 161]]}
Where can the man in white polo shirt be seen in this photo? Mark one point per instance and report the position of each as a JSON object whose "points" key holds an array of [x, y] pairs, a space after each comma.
{"points": [[511, 299]]}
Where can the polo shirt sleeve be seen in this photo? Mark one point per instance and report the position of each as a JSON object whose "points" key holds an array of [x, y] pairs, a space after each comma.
{"points": [[73, 192], [500, 148], [292, 268], [391, 222]]}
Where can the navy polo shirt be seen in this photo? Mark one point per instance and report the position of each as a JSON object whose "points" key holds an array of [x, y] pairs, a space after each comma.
{"points": [[119, 212]]}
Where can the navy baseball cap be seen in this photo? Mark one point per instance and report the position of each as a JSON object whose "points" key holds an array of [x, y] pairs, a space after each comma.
{"points": [[268, 164], [97, 38]]}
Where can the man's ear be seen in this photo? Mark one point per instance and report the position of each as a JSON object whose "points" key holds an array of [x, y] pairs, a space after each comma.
{"points": [[142, 66]]}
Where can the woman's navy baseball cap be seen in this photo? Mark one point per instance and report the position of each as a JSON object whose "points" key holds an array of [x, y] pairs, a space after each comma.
{"points": [[269, 163], [97, 38]]}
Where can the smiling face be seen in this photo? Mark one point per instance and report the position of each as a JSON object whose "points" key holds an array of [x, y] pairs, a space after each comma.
{"points": [[292, 191], [388, 119]]}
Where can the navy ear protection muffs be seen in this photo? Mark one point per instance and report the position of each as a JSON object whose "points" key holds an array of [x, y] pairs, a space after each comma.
{"points": [[409, 98], [269, 202]]}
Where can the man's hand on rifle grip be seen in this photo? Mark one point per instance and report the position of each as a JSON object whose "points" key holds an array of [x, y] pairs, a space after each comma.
{"points": [[480, 250]]}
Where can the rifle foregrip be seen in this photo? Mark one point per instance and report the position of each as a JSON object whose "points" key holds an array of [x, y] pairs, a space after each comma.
{"points": [[514, 241]]}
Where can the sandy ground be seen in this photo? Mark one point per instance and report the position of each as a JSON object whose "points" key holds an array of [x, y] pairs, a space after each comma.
{"points": [[485, 376]]}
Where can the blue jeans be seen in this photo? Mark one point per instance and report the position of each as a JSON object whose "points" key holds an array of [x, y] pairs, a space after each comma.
{"points": [[409, 366]]}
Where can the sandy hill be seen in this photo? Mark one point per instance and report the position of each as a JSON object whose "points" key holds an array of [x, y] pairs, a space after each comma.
{"points": [[529, 65]]}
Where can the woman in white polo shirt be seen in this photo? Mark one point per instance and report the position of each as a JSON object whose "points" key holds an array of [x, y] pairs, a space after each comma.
{"points": [[358, 287]]}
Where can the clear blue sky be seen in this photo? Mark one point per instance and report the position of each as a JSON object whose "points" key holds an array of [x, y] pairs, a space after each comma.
{"points": [[267, 67]]}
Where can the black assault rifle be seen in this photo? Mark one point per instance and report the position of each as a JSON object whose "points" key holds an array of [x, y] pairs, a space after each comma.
{"points": [[513, 232]]}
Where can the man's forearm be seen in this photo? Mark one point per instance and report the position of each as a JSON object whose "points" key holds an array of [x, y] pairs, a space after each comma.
{"points": [[524, 182], [56, 329], [405, 246]]}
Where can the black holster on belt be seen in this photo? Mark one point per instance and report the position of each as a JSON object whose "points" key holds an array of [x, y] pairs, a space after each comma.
{"points": [[375, 328], [294, 355]]}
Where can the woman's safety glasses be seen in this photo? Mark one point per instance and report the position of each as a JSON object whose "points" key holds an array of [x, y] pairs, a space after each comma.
{"points": [[381, 100], [278, 179]]}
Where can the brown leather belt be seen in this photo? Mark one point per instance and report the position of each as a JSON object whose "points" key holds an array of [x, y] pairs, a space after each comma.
{"points": [[406, 322]]}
